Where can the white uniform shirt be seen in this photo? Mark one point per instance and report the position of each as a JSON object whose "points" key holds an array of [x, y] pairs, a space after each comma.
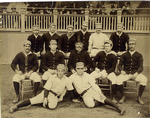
{"points": [[56, 85], [81, 83], [97, 41]]}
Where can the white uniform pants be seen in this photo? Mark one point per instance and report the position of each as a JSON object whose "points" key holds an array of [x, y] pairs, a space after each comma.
{"points": [[94, 52], [112, 77], [52, 100], [34, 76], [140, 78], [92, 95]]}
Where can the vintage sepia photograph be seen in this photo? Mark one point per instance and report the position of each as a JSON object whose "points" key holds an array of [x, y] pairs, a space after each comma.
{"points": [[75, 59]]}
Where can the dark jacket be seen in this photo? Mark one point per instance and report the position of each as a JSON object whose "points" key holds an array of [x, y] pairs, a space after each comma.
{"points": [[75, 57], [132, 64], [119, 43], [107, 62], [50, 60], [36, 44], [84, 38], [46, 38], [65, 44], [26, 64]]}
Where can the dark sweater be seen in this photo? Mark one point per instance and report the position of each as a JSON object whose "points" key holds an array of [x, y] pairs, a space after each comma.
{"points": [[75, 57], [107, 62], [119, 43], [46, 37], [84, 39], [36, 44], [50, 60], [26, 64], [65, 44], [132, 64]]}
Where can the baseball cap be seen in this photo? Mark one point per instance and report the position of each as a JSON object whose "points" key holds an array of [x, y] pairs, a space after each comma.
{"points": [[27, 43], [98, 25], [35, 27], [52, 24], [84, 23], [61, 66], [53, 42], [132, 40], [108, 41], [69, 26], [79, 64]]}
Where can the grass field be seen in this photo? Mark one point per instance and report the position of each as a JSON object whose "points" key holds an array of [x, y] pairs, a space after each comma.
{"points": [[67, 109]]}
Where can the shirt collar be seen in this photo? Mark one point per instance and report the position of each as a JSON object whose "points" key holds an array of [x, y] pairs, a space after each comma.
{"points": [[83, 31], [35, 36], [51, 33], [132, 52], [70, 36], [27, 54], [112, 52], [119, 34]]}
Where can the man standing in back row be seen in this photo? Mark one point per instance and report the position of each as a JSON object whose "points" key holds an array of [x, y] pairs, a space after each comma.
{"points": [[84, 35], [96, 41], [47, 37]]}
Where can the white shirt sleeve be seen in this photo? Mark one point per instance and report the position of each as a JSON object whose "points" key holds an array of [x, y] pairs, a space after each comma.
{"points": [[48, 85], [90, 42], [70, 83]]}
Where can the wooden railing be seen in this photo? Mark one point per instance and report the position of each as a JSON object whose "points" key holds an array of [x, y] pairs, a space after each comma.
{"points": [[23, 22]]}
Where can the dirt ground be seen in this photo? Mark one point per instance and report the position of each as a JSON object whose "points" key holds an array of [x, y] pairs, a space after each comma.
{"points": [[67, 109]]}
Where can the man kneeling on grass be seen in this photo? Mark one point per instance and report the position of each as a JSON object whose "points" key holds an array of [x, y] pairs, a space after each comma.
{"points": [[54, 91], [86, 87]]}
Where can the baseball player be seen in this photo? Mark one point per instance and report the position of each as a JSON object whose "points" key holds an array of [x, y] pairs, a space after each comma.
{"points": [[120, 40], [86, 87], [54, 91], [47, 37], [67, 41], [96, 41], [84, 35], [26, 69], [78, 54], [36, 44], [104, 64], [131, 66], [50, 61]]}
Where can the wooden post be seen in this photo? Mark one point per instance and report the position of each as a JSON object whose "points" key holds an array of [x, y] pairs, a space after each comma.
{"points": [[55, 13], [23, 11], [86, 14], [119, 15]]}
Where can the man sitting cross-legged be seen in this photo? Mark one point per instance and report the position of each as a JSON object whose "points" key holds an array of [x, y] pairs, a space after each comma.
{"points": [[105, 63], [54, 91], [86, 87]]}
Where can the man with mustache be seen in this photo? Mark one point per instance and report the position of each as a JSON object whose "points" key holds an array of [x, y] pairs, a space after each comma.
{"points": [[67, 41], [84, 35], [96, 41], [28, 65], [54, 91], [79, 54], [47, 37], [131, 66]]}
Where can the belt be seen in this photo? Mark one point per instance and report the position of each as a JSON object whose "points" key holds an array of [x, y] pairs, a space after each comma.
{"points": [[84, 92], [95, 48], [53, 92]]}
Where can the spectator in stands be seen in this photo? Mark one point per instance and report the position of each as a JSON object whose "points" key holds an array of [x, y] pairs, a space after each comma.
{"points": [[104, 64], [84, 35], [91, 11], [67, 41], [25, 65], [127, 10], [113, 11], [96, 41], [13, 10], [47, 37], [79, 55], [46, 10], [50, 61], [4, 10], [131, 66], [103, 11]]}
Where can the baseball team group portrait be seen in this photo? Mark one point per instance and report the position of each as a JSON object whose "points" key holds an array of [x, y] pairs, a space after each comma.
{"points": [[75, 59]]}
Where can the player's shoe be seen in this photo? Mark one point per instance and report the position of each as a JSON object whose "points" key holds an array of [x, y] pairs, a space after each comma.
{"points": [[122, 100], [16, 100], [114, 100], [13, 108], [75, 100], [140, 101], [122, 112]]}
